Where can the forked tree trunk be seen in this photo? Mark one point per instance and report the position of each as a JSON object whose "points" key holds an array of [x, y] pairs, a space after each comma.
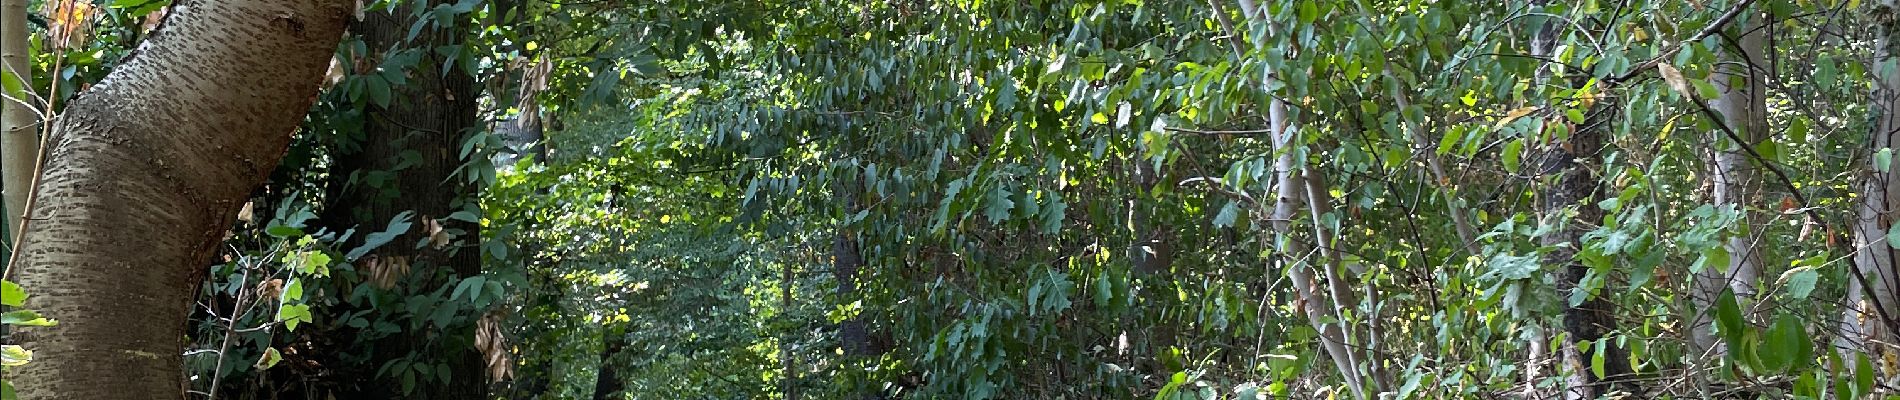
{"points": [[1321, 296], [144, 173]]}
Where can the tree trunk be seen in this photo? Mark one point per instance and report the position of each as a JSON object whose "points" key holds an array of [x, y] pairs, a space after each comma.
{"points": [[607, 380], [407, 160], [788, 364], [852, 336], [143, 175], [1866, 319], [1321, 306], [1570, 186], [19, 125], [1743, 107]]}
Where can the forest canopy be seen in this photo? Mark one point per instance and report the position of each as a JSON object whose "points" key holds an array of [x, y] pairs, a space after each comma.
{"points": [[968, 199]]}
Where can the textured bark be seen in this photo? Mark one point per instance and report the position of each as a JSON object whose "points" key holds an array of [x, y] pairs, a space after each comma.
{"points": [[416, 140], [19, 126], [852, 336], [1570, 186], [1744, 108], [1866, 319], [143, 175]]}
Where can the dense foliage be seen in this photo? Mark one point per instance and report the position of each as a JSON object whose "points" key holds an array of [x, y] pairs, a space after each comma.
{"points": [[1068, 199]]}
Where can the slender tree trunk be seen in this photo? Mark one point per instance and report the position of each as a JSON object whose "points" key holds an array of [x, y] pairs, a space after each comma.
{"points": [[1743, 105], [1323, 307], [415, 142], [143, 175], [1866, 319], [19, 125], [788, 369], [1537, 332]]}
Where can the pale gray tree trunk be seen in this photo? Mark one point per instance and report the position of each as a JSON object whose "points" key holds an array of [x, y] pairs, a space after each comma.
{"points": [[143, 175], [19, 125], [1863, 320], [1322, 298], [1742, 104]]}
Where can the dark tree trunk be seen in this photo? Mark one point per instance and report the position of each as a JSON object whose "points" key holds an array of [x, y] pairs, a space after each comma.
{"points": [[1570, 184], [406, 160], [607, 382]]}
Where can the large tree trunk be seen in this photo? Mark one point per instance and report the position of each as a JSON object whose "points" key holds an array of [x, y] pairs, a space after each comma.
{"points": [[19, 125], [415, 142], [1743, 108], [144, 173]]}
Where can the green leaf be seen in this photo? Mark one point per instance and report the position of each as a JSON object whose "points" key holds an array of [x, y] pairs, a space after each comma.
{"points": [[1228, 214], [473, 286], [379, 93], [1801, 281], [464, 216], [1787, 345], [398, 225], [1883, 159], [1452, 138], [1728, 318], [11, 295], [284, 231], [25, 318], [997, 206], [1825, 73], [1863, 375], [316, 263], [293, 290], [1513, 155], [1597, 363], [293, 314], [1893, 236]]}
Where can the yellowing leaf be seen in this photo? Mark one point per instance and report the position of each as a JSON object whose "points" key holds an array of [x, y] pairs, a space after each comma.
{"points": [[1513, 116], [1673, 76]]}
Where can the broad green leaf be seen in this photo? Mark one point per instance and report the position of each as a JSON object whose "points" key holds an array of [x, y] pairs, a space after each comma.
{"points": [[1728, 318], [1786, 345], [25, 318], [1228, 214], [11, 295]]}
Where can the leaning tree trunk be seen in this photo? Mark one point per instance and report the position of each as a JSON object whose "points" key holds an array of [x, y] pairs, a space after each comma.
{"points": [[1743, 108], [143, 175], [19, 126], [416, 140]]}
